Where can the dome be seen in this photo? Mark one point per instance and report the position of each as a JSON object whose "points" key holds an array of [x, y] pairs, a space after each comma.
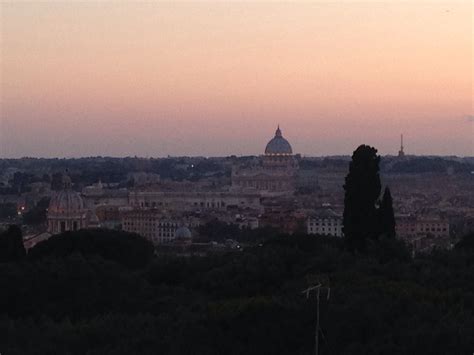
{"points": [[66, 201], [278, 145], [183, 233]]}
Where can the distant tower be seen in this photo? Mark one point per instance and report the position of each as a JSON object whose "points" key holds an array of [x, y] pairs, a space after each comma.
{"points": [[401, 153]]}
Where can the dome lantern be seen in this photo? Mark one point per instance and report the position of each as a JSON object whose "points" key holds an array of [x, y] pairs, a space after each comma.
{"points": [[278, 145]]}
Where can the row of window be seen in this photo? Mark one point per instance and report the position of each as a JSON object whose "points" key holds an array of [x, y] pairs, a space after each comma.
{"points": [[325, 222], [427, 229], [150, 223], [435, 229], [200, 204]]}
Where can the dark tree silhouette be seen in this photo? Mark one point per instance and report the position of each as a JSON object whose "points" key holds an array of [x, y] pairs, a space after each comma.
{"points": [[362, 191], [125, 248], [79, 298], [38, 214], [11, 244], [387, 216]]}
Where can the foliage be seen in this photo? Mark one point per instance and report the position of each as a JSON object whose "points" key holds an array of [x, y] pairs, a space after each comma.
{"points": [[366, 217], [11, 244], [362, 191], [125, 248], [386, 215], [37, 215], [250, 302], [419, 165], [467, 242], [219, 231]]}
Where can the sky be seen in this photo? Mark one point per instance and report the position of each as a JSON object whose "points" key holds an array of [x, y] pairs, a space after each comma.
{"points": [[126, 78]]}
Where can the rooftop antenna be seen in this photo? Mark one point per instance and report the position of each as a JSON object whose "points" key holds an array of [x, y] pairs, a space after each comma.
{"points": [[317, 288]]}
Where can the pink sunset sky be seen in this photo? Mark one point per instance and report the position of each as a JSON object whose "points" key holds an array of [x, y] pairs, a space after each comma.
{"points": [[156, 79]]}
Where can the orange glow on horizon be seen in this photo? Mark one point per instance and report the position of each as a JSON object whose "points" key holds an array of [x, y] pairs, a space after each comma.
{"points": [[155, 79]]}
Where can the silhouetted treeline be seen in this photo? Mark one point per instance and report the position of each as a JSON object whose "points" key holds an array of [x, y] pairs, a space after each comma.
{"points": [[125, 248], [439, 165], [82, 293], [86, 171]]}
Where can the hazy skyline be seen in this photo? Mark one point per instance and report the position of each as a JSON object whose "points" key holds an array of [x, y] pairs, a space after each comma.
{"points": [[157, 79]]}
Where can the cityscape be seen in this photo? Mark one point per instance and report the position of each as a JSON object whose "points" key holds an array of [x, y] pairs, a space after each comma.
{"points": [[236, 178], [277, 189]]}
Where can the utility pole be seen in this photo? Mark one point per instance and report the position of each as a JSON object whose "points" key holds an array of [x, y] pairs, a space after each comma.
{"points": [[317, 288]]}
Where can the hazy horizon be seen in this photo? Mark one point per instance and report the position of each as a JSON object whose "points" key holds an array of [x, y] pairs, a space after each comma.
{"points": [[215, 79], [347, 156]]}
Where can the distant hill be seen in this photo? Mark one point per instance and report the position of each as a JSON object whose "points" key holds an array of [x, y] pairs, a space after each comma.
{"points": [[419, 165]]}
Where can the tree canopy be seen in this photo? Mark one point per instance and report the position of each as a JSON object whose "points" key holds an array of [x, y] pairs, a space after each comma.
{"points": [[387, 215], [362, 191], [11, 244], [83, 300], [125, 248]]}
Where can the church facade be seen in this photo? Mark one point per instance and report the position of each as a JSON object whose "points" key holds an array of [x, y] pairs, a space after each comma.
{"points": [[274, 173]]}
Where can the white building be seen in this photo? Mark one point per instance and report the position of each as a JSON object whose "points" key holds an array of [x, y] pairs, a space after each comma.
{"points": [[325, 222]]}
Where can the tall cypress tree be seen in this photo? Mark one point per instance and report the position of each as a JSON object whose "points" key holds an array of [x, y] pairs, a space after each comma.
{"points": [[387, 216], [362, 191]]}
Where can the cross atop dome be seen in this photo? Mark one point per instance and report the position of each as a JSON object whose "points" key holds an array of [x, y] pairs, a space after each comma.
{"points": [[278, 132]]}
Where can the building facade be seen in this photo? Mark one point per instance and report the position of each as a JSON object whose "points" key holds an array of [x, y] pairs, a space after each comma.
{"points": [[327, 223], [192, 201], [275, 173], [157, 227], [409, 227]]}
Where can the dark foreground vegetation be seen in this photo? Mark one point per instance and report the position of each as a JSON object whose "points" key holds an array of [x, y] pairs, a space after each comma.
{"points": [[102, 292]]}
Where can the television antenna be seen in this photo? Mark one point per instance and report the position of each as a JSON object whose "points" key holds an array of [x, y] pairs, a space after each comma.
{"points": [[317, 289]]}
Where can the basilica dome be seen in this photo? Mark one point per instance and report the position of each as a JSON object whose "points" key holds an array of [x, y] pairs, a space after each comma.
{"points": [[278, 145], [66, 201]]}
